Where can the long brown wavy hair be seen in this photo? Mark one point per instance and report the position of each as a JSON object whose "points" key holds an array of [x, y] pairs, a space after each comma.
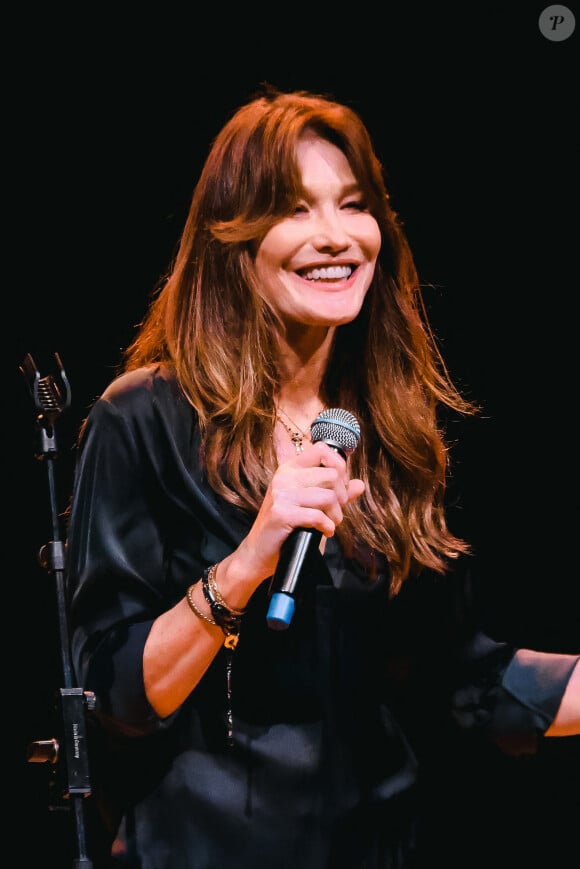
{"points": [[208, 321]]}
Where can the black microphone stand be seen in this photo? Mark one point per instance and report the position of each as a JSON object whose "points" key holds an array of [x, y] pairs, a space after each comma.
{"points": [[50, 400]]}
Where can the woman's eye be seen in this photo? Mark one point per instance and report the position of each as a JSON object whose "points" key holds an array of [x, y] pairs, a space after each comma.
{"points": [[355, 204]]}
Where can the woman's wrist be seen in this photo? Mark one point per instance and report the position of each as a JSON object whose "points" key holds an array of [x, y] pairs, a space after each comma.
{"points": [[236, 579], [215, 610]]}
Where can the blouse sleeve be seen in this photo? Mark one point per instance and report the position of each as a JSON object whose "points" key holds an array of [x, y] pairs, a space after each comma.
{"points": [[493, 690], [511, 693], [530, 694], [119, 577]]}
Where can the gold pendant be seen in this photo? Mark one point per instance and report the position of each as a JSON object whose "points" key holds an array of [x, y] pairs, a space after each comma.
{"points": [[297, 441]]}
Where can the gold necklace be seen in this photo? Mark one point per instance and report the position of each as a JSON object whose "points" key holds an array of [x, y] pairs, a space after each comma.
{"points": [[296, 434]]}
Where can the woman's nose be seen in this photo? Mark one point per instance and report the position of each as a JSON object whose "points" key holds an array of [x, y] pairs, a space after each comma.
{"points": [[329, 232]]}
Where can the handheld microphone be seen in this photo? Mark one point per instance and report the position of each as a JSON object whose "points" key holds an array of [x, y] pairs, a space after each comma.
{"points": [[340, 430]]}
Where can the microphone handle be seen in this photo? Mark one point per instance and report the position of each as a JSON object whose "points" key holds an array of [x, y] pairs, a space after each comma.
{"points": [[300, 544], [295, 551]]}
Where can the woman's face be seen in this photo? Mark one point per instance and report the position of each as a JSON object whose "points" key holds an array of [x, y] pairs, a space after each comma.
{"points": [[315, 266]]}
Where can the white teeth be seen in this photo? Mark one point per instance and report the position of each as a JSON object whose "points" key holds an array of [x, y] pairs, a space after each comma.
{"points": [[328, 274]]}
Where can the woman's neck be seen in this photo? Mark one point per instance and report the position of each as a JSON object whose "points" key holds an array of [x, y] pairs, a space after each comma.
{"points": [[304, 362]]}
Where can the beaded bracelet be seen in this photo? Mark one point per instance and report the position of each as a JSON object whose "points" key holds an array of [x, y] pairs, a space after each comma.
{"points": [[230, 627], [212, 584], [193, 606], [229, 620]]}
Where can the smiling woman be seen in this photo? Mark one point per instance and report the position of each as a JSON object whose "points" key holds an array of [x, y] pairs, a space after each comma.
{"points": [[316, 265], [215, 740]]}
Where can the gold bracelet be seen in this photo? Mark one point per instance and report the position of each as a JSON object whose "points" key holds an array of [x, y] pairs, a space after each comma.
{"points": [[211, 581], [194, 608], [229, 622]]}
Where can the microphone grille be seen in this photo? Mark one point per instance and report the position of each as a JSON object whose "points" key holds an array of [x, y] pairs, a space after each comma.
{"points": [[338, 427]]}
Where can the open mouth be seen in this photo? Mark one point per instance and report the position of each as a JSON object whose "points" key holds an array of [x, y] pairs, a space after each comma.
{"points": [[327, 273]]}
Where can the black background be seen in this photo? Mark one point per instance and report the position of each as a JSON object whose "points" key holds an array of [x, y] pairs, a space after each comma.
{"points": [[474, 117]]}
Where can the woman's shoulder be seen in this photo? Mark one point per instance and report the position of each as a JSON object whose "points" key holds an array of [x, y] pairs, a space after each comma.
{"points": [[146, 405], [154, 379], [143, 393]]}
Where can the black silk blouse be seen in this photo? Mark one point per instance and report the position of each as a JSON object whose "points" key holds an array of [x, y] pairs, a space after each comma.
{"points": [[329, 716]]}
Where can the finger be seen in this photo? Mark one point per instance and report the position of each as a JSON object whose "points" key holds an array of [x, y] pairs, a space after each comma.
{"points": [[315, 454], [290, 484], [355, 489], [294, 506]]}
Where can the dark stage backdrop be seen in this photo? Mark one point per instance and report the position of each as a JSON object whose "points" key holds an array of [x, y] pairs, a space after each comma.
{"points": [[473, 114]]}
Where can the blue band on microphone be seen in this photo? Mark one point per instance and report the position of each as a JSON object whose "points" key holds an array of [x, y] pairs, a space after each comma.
{"points": [[321, 419]]}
